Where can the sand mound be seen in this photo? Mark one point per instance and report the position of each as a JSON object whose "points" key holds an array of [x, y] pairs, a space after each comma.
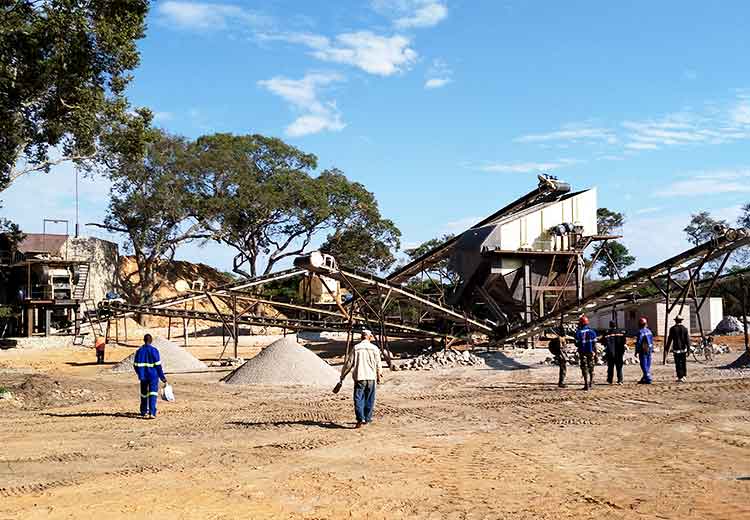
{"points": [[173, 359], [285, 362]]}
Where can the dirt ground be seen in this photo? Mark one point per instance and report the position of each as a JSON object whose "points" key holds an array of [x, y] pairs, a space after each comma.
{"points": [[497, 442]]}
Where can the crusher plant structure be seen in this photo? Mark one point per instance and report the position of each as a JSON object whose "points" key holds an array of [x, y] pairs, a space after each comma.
{"points": [[517, 273]]}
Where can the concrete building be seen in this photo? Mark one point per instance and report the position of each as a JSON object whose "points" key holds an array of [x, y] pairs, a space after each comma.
{"points": [[656, 312]]}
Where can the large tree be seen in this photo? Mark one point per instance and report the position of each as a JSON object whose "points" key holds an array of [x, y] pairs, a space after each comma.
{"points": [[259, 196], [702, 227], [64, 68], [439, 272], [614, 258], [152, 204]]}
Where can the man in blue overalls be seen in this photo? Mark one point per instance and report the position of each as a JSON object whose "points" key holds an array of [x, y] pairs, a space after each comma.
{"points": [[586, 343], [147, 365], [644, 348]]}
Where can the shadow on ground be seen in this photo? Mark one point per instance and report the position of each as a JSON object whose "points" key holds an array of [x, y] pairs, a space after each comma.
{"points": [[499, 361], [264, 424], [128, 415]]}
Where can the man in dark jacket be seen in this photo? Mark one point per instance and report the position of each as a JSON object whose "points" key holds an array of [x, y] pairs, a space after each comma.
{"points": [[556, 347], [147, 365], [679, 340], [614, 346]]}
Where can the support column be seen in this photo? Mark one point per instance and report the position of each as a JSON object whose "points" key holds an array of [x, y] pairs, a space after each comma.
{"points": [[744, 313], [580, 269], [235, 325], [29, 322], [666, 316]]}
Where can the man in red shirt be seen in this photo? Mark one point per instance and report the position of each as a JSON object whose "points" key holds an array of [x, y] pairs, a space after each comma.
{"points": [[99, 345]]}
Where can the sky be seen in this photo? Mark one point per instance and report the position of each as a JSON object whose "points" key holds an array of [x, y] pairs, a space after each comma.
{"points": [[447, 110]]}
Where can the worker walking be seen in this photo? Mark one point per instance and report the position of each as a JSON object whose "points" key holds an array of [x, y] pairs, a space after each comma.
{"points": [[644, 349], [614, 346], [367, 373], [556, 347], [679, 340], [586, 343], [147, 365], [99, 345]]}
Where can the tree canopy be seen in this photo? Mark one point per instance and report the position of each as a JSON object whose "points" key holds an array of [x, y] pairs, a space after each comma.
{"points": [[152, 205], [608, 221], [63, 72], [258, 195], [613, 257], [702, 226]]}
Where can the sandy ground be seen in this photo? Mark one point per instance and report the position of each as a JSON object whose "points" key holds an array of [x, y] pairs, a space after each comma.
{"points": [[496, 442]]}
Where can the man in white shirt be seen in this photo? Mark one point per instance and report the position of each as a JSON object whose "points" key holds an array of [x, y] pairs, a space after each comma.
{"points": [[366, 373]]}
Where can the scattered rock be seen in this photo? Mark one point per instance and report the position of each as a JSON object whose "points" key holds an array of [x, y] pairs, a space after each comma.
{"points": [[441, 359], [174, 358]]}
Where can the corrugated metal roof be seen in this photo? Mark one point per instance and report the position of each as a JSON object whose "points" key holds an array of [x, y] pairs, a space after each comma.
{"points": [[42, 243]]}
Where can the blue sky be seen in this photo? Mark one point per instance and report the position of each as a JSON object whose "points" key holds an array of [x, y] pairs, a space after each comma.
{"points": [[447, 110]]}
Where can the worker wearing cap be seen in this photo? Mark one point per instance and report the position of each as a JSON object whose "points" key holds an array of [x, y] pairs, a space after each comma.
{"points": [[147, 365], [614, 346], [99, 345], [556, 347], [586, 343], [366, 373], [679, 340], [644, 349]]}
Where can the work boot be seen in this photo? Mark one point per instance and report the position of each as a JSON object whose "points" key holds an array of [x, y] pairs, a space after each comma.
{"points": [[585, 386], [562, 385], [359, 425]]}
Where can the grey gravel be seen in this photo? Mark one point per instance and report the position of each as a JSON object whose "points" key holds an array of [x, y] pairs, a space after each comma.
{"points": [[285, 362], [174, 358]]}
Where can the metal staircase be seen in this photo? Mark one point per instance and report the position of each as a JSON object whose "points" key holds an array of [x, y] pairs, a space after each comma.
{"points": [[79, 290]]}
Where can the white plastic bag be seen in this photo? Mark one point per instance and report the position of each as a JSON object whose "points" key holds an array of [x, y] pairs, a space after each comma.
{"points": [[167, 394]]}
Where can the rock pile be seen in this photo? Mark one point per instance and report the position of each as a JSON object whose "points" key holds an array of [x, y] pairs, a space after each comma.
{"points": [[600, 359], [174, 358], [285, 362], [730, 326], [442, 359]]}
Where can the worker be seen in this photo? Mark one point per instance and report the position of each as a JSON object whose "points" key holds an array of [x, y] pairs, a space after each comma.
{"points": [[147, 365], [556, 347], [366, 372], [644, 348], [614, 347], [586, 343], [99, 344], [679, 340]]}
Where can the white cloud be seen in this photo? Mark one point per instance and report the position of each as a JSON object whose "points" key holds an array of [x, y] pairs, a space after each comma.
{"points": [[528, 167], [163, 116], [207, 16], [711, 182], [646, 211], [373, 53], [571, 132], [436, 82], [462, 224], [438, 75], [741, 113], [412, 14], [303, 95], [641, 146]]}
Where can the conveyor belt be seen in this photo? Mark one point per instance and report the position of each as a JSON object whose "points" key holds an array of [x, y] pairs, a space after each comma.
{"points": [[625, 290]]}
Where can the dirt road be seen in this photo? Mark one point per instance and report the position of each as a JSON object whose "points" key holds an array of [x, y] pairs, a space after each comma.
{"points": [[466, 443]]}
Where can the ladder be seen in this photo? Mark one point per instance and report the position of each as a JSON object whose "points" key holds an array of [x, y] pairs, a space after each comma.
{"points": [[90, 315], [83, 275]]}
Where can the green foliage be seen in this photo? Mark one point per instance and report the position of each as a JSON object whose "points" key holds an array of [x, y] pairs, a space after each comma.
{"points": [[368, 248], [440, 272], [701, 227], [258, 195], [6, 311], [613, 259], [608, 221], [152, 205], [63, 73]]}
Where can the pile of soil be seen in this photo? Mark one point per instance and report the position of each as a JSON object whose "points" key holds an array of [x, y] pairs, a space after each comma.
{"points": [[285, 362], [36, 392], [741, 362], [174, 358]]}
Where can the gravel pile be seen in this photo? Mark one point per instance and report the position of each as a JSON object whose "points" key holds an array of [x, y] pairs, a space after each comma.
{"points": [[600, 359], [741, 362], [285, 362], [730, 326], [442, 359], [174, 358]]}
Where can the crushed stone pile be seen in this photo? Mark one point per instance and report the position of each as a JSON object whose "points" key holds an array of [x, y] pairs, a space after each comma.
{"points": [[174, 358], [742, 362], [441, 359], [285, 362], [730, 326]]}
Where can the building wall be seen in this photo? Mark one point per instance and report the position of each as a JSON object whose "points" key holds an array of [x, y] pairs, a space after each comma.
{"points": [[712, 313], [656, 315], [103, 256]]}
